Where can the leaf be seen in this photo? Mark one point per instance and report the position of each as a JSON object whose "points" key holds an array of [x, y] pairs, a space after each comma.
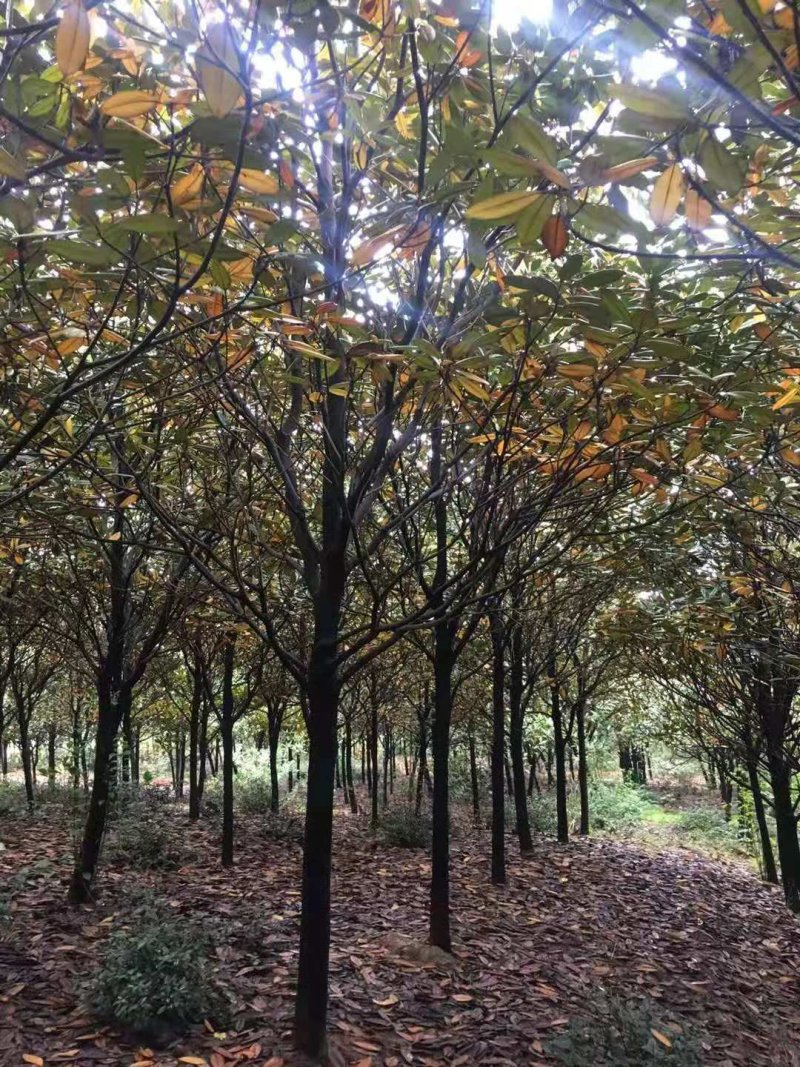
{"points": [[117, 536], [129, 104], [662, 1039], [788, 398], [36, 1061], [649, 102], [258, 181], [622, 171], [72, 38], [532, 220], [723, 169], [218, 67], [197, 1060], [154, 225], [10, 166], [577, 370], [555, 236], [719, 411], [697, 210], [666, 196], [534, 284], [187, 187], [502, 206]]}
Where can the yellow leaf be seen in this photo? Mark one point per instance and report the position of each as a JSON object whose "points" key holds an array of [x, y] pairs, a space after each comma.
{"points": [[114, 536], [129, 500], [218, 68], [790, 456], [72, 38], [187, 187], [403, 125], [787, 398], [667, 195], [627, 170], [129, 104], [502, 206], [198, 1060], [697, 209], [576, 370], [553, 173], [662, 1039], [257, 181]]}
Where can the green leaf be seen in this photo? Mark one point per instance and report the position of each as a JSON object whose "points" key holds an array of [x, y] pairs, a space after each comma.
{"points": [[531, 222], [723, 169], [84, 254], [649, 101]]}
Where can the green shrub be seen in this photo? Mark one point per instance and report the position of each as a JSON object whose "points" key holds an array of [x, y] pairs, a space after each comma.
{"points": [[401, 827], [542, 809], [141, 839], [153, 978], [253, 795], [705, 826], [12, 799], [282, 826], [617, 807], [621, 1033]]}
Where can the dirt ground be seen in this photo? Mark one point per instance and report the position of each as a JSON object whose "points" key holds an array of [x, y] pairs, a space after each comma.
{"points": [[704, 941]]}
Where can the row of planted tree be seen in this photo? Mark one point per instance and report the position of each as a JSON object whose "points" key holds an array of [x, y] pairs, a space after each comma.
{"points": [[380, 369]]}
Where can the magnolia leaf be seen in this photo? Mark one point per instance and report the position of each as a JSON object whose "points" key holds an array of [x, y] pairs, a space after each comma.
{"points": [[622, 171], [666, 196], [129, 104], [258, 181], [697, 210], [218, 68], [503, 205], [187, 187], [72, 38], [555, 236]]}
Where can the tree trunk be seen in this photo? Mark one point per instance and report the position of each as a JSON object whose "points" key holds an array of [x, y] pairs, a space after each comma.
{"points": [[498, 752], [375, 779], [387, 749], [226, 733], [311, 1004], [196, 758], [27, 760], [351, 785], [583, 772], [110, 714], [770, 872], [274, 781], [473, 777], [559, 751], [786, 829], [444, 659], [515, 742], [51, 755]]}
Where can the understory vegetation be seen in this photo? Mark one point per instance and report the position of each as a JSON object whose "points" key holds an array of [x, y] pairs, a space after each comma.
{"points": [[399, 532]]}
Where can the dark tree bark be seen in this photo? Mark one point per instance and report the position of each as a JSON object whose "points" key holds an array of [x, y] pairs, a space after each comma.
{"points": [[559, 751], [515, 740], [196, 756], [51, 755], [275, 721], [226, 733], [373, 750], [498, 751], [474, 781], [583, 771], [348, 745], [770, 872], [444, 659]]}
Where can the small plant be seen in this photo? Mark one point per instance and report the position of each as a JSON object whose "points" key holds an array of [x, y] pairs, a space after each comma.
{"points": [[153, 979], [281, 826], [253, 795], [147, 777], [707, 827], [140, 839], [622, 1033], [401, 827], [543, 814], [618, 807], [12, 799]]}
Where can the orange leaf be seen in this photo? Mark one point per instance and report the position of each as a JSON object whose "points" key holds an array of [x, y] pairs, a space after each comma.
{"points": [[555, 236]]}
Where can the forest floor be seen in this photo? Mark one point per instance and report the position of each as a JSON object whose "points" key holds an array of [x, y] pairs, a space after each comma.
{"points": [[701, 940]]}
